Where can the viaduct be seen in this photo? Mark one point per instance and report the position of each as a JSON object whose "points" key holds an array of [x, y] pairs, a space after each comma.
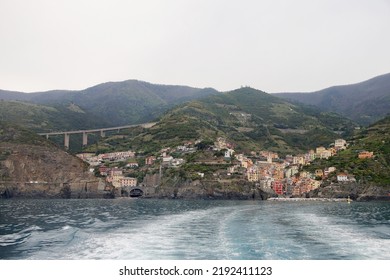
{"points": [[85, 133]]}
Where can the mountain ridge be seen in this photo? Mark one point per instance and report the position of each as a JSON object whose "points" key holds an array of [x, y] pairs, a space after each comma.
{"points": [[364, 102], [110, 104], [133, 101]]}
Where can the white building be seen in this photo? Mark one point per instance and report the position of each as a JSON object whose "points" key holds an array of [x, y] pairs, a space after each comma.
{"points": [[229, 153], [342, 177], [329, 170], [340, 144], [167, 160], [291, 171], [299, 160], [176, 161]]}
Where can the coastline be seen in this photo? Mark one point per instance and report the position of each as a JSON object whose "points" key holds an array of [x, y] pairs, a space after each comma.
{"points": [[322, 199]]}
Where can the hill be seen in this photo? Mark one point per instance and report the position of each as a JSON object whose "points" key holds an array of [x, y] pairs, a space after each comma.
{"points": [[113, 103], [371, 170], [45, 118], [13, 95], [31, 166], [364, 102], [249, 118]]}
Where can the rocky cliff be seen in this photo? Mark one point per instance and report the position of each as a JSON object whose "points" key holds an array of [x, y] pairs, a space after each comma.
{"points": [[179, 188], [359, 192], [30, 166]]}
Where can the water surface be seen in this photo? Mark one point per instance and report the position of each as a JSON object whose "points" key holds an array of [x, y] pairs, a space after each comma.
{"points": [[193, 229]]}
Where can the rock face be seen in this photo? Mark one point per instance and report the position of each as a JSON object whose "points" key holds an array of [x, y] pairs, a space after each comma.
{"points": [[179, 188], [32, 167], [45, 172], [355, 191]]}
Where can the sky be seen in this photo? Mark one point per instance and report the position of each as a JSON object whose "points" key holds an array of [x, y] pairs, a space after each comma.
{"points": [[271, 45]]}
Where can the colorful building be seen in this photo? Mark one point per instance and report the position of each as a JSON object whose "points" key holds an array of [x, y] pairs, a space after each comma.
{"points": [[253, 174], [277, 186], [128, 182], [365, 154]]}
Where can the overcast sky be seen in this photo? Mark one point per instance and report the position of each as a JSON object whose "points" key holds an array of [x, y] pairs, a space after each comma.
{"points": [[272, 45]]}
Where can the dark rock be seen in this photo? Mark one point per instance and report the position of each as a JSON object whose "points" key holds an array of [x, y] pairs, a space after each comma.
{"points": [[353, 190]]}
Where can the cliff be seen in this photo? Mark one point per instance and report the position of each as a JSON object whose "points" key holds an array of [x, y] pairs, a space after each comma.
{"points": [[179, 188], [32, 167], [175, 187], [358, 192]]}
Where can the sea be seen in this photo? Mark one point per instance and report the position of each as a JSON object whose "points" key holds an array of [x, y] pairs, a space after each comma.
{"points": [[148, 229]]}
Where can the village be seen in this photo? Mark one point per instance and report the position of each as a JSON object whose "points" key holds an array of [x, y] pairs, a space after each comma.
{"points": [[285, 176]]}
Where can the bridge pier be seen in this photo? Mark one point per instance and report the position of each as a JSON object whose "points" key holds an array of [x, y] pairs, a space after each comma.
{"points": [[85, 138], [66, 140], [85, 132]]}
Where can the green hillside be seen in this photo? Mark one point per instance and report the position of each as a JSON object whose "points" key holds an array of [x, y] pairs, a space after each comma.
{"points": [[45, 118], [376, 139], [249, 118], [115, 103], [17, 135], [105, 105], [365, 102], [133, 101]]}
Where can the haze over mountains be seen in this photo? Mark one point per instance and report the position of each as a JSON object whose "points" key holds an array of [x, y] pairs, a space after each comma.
{"points": [[364, 102]]}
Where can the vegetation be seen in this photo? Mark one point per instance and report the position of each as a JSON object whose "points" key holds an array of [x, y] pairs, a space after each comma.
{"points": [[365, 102], [376, 139], [17, 135], [250, 119], [104, 105], [46, 118]]}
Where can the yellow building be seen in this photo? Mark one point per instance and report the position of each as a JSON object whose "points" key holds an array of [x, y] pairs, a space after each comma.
{"points": [[319, 173], [114, 177], [252, 174], [128, 182]]}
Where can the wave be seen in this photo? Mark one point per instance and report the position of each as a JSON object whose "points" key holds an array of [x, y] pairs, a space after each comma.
{"points": [[17, 237], [148, 230]]}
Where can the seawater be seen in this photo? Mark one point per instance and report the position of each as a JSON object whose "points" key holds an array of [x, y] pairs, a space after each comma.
{"points": [[193, 229]]}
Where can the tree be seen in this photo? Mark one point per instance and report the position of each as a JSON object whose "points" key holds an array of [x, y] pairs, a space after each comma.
{"points": [[204, 145]]}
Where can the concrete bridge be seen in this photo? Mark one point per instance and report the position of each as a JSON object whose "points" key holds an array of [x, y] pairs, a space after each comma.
{"points": [[85, 133]]}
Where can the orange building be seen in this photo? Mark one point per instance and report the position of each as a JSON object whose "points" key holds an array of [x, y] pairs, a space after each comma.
{"points": [[365, 154]]}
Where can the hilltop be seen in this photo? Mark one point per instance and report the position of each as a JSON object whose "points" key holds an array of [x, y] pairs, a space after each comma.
{"points": [[365, 102]]}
